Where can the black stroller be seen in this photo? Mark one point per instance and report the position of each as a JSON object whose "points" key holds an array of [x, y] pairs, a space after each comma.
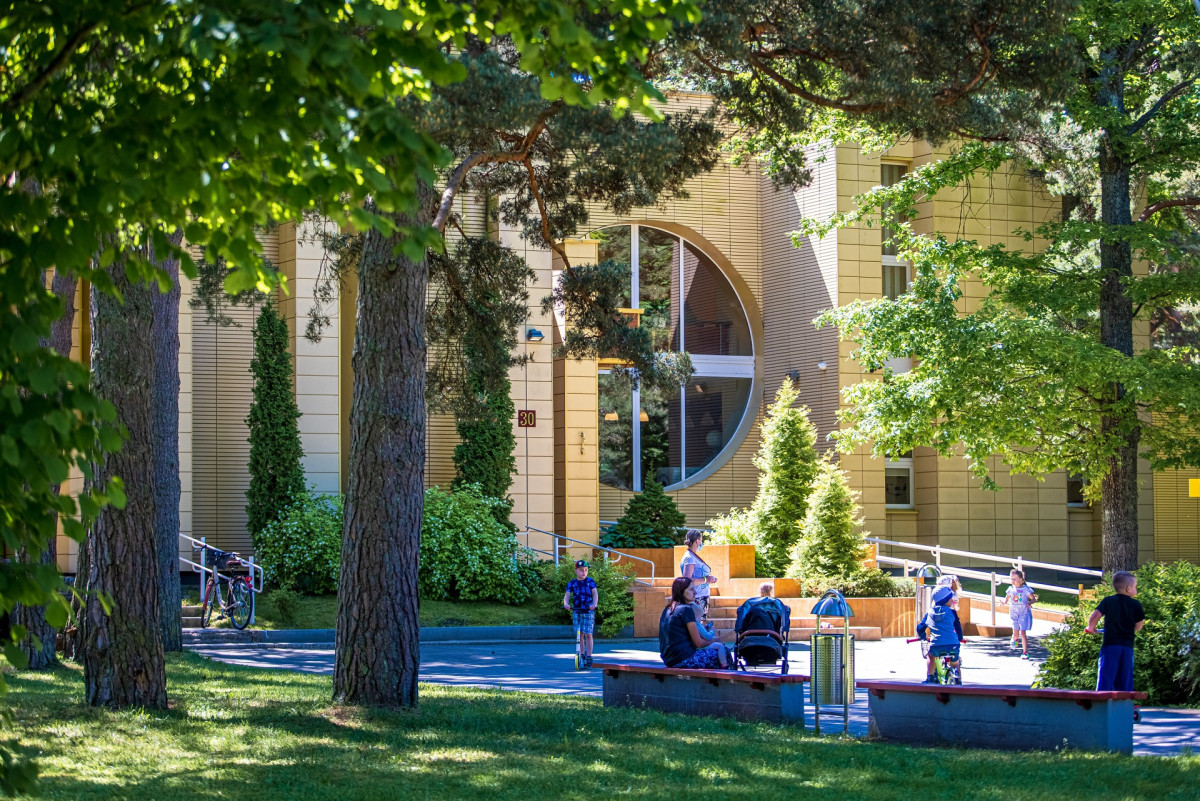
{"points": [[761, 633]]}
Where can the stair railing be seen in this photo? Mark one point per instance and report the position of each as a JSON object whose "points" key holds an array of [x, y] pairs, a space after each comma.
{"points": [[557, 546]]}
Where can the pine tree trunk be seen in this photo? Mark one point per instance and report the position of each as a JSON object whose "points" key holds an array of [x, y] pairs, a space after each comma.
{"points": [[1119, 490], [122, 648], [165, 430], [376, 651], [33, 618]]}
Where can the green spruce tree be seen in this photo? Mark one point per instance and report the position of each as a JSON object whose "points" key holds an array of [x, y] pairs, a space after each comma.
{"points": [[788, 466], [276, 477], [484, 454], [651, 520], [831, 544]]}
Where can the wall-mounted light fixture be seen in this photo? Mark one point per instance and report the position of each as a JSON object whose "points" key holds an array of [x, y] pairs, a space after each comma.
{"points": [[822, 366], [534, 335]]}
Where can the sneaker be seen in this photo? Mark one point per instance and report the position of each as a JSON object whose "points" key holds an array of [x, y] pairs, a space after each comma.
{"points": [[1012, 644], [1025, 657], [930, 680]]}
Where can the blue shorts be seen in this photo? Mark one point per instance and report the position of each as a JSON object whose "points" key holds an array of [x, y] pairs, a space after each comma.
{"points": [[584, 621], [1116, 668], [945, 650]]}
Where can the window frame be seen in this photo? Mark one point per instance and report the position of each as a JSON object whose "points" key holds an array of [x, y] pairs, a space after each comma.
{"points": [[900, 463], [705, 365]]}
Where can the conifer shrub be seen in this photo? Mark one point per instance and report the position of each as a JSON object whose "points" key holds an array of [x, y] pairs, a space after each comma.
{"points": [[276, 475], [466, 553], [651, 520], [831, 540], [1162, 650], [301, 550], [484, 454], [613, 580]]}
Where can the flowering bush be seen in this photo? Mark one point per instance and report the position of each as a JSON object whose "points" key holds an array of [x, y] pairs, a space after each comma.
{"points": [[466, 553], [302, 549]]}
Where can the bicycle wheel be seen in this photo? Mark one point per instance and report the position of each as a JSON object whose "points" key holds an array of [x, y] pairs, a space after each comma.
{"points": [[206, 606], [241, 603]]}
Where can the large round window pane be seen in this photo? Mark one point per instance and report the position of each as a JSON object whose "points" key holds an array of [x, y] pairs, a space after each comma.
{"points": [[687, 304], [714, 408]]}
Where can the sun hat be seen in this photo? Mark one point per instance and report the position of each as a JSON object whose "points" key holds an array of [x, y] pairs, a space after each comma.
{"points": [[582, 563]]}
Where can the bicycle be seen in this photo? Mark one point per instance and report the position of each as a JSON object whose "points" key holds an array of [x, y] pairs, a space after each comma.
{"points": [[239, 606], [943, 668]]}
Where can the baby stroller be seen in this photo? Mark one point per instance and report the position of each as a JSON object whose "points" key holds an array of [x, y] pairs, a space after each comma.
{"points": [[761, 633]]}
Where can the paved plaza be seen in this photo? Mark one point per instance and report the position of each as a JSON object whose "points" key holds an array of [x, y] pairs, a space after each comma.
{"points": [[548, 667]]}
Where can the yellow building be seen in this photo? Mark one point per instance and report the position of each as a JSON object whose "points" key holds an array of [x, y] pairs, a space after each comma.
{"points": [[715, 274]]}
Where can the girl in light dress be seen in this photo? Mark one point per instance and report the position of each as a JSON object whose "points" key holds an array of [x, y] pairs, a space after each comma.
{"points": [[1020, 599]]}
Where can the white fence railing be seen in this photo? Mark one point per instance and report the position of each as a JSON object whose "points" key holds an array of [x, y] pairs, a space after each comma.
{"points": [[256, 572], [557, 539], [1019, 563]]}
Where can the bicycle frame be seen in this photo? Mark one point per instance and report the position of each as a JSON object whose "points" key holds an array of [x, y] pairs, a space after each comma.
{"points": [[943, 667]]}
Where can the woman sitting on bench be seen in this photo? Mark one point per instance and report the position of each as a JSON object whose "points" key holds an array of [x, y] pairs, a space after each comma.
{"points": [[680, 641]]}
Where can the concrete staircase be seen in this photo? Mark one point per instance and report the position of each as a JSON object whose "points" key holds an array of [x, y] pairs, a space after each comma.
{"points": [[191, 616], [722, 613]]}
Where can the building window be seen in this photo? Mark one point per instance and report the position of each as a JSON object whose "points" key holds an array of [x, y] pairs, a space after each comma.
{"points": [[895, 280], [688, 304], [889, 174], [898, 482], [1075, 490]]}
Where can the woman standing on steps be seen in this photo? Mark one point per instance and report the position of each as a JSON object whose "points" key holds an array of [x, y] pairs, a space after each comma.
{"points": [[694, 567]]}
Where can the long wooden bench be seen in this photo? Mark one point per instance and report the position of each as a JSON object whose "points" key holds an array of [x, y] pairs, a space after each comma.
{"points": [[1017, 718], [715, 693]]}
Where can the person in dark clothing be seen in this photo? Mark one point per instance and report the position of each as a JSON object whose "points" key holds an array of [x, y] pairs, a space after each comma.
{"points": [[680, 641], [1123, 617]]}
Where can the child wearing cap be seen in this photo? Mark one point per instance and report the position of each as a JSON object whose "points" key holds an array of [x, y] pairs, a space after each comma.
{"points": [[941, 627], [581, 599]]}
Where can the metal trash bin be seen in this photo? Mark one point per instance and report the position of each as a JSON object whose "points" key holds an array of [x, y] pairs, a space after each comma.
{"points": [[828, 684]]}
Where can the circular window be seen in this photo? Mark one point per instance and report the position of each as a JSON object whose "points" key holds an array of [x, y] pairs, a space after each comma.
{"points": [[689, 305]]}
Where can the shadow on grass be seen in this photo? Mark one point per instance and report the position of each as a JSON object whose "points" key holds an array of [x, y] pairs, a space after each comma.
{"points": [[237, 730]]}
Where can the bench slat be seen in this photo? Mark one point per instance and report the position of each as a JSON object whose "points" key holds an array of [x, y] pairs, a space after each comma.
{"points": [[1003, 692], [748, 677]]}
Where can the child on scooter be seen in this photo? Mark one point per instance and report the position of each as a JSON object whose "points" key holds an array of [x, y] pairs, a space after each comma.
{"points": [[941, 627], [581, 599]]}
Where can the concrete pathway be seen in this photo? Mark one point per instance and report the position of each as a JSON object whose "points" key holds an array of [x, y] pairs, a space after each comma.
{"points": [[548, 667]]}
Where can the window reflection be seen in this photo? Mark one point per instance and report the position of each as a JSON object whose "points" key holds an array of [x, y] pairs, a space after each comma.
{"points": [[658, 284], [615, 246], [713, 408], [616, 432], [713, 321], [661, 438]]}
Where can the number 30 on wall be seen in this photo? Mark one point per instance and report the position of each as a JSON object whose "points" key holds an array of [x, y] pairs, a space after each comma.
{"points": [[526, 418]]}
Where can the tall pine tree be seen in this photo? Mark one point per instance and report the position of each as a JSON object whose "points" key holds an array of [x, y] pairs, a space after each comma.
{"points": [[276, 475]]}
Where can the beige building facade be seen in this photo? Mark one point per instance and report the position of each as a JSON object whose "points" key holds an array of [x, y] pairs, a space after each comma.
{"points": [[717, 273]]}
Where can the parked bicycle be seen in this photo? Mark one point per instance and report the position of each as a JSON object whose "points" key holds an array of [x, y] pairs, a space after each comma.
{"points": [[237, 603], [944, 668]]}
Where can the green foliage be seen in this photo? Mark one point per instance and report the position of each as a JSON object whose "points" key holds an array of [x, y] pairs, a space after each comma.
{"points": [[874, 583], [287, 605], [831, 540], [466, 553], [651, 520], [591, 296], [301, 550], [795, 72], [276, 476], [1189, 672], [613, 580], [787, 467], [1161, 661]]}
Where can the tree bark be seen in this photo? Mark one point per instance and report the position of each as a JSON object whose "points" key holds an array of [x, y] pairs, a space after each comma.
{"points": [[165, 430], [1119, 489], [377, 652], [42, 654], [122, 646]]}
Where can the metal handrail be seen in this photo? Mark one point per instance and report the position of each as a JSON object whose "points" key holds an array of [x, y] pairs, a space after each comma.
{"points": [[620, 555], [1019, 562], [964, 571], [604, 523], [256, 571]]}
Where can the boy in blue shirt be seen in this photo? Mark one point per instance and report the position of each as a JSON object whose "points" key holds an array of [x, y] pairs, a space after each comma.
{"points": [[581, 599], [943, 630]]}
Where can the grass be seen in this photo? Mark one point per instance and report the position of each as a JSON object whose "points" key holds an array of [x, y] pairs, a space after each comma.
{"points": [[320, 612], [248, 733], [1047, 599]]}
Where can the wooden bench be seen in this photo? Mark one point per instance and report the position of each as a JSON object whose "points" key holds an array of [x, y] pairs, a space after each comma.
{"points": [[1017, 718], [715, 693]]}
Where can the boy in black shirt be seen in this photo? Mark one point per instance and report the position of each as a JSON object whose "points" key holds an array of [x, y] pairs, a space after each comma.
{"points": [[1123, 616]]}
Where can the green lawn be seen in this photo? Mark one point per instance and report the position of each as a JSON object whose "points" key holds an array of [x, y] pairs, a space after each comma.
{"points": [[243, 733], [321, 613]]}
